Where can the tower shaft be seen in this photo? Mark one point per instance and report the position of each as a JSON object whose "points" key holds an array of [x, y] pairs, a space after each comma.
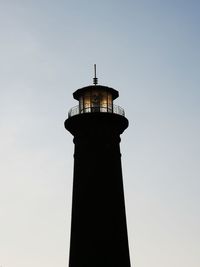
{"points": [[98, 227]]}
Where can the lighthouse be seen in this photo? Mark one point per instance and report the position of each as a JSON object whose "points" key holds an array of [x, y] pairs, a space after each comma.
{"points": [[98, 222]]}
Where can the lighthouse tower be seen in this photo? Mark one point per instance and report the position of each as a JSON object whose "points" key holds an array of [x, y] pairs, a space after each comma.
{"points": [[98, 227]]}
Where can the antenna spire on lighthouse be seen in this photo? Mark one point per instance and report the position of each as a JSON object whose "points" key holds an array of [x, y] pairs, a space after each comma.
{"points": [[95, 79]]}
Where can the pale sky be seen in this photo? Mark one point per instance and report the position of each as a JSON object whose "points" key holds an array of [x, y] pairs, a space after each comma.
{"points": [[148, 50]]}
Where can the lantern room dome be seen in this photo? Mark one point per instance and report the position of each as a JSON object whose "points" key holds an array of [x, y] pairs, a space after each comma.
{"points": [[99, 88]]}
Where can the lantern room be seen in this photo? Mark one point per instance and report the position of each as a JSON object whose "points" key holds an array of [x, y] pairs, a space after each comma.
{"points": [[96, 98]]}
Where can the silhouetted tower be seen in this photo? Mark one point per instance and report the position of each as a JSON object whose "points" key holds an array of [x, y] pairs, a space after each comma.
{"points": [[98, 227]]}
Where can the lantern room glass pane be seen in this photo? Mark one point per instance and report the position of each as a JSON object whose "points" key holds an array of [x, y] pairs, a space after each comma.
{"points": [[110, 102], [104, 101], [95, 101], [81, 108], [87, 102]]}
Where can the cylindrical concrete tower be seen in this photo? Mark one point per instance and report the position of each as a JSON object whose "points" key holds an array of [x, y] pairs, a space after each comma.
{"points": [[98, 227]]}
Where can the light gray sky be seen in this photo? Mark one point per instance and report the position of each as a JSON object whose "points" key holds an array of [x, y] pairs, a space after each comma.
{"points": [[150, 52]]}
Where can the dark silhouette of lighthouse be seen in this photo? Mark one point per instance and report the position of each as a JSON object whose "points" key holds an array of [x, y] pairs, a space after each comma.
{"points": [[98, 228]]}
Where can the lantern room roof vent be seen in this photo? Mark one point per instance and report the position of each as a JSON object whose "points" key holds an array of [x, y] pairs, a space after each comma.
{"points": [[95, 79]]}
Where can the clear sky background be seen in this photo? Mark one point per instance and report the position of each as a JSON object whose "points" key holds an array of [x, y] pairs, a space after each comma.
{"points": [[148, 50]]}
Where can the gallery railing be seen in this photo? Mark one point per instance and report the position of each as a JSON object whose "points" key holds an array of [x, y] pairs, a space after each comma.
{"points": [[115, 109]]}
